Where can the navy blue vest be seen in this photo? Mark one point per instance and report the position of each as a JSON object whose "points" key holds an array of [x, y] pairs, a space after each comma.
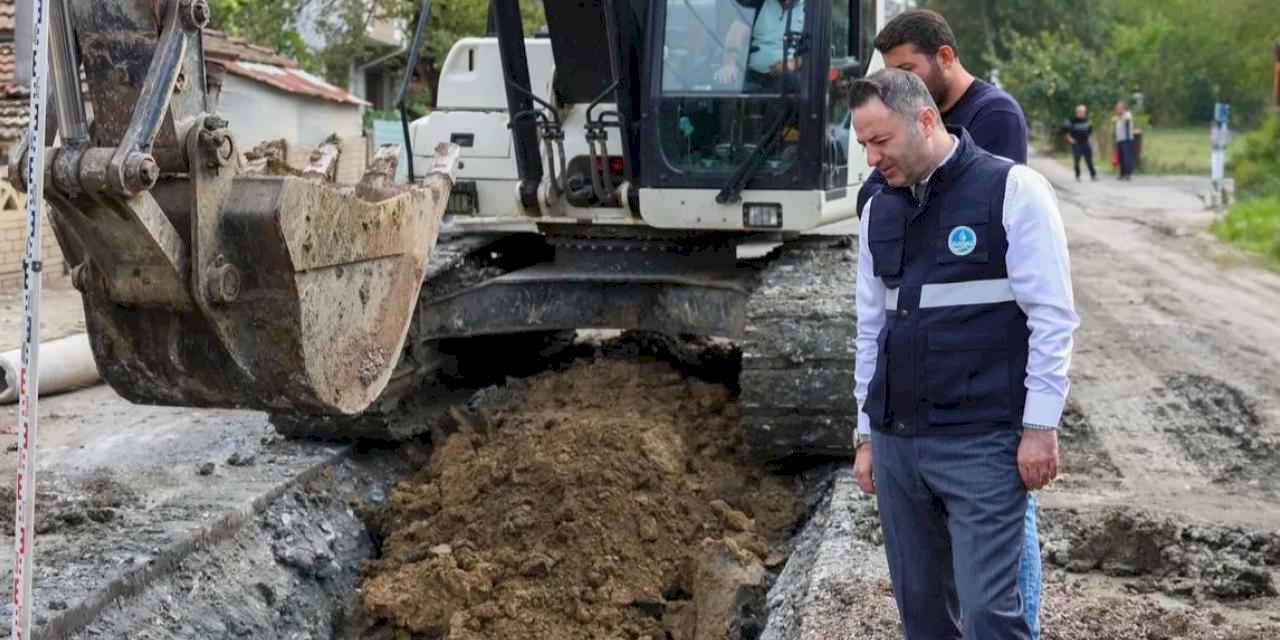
{"points": [[952, 356]]}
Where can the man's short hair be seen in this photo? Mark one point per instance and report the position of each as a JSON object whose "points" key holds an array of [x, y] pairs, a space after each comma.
{"points": [[903, 92], [925, 29]]}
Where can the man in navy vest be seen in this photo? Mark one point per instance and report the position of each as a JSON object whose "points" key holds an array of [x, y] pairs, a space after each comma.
{"points": [[921, 41], [965, 323]]}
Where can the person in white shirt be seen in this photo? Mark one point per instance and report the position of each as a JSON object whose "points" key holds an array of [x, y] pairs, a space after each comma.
{"points": [[965, 329], [1124, 140], [763, 43]]}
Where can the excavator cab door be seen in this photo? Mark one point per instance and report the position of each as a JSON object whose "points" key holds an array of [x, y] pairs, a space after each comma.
{"points": [[733, 79]]}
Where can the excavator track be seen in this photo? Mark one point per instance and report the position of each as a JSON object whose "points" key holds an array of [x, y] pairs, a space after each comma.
{"points": [[433, 376], [798, 353]]}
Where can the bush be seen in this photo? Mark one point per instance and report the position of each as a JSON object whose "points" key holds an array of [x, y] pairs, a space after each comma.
{"points": [[1254, 225], [1255, 162], [1051, 72]]}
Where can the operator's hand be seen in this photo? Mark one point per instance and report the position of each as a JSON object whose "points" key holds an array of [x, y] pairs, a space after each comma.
{"points": [[792, 65], [1038, 458], [862, 469], [727, 74]]}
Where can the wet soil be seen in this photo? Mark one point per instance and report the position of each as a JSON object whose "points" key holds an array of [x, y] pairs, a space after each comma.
{"points": [[609, 500]]}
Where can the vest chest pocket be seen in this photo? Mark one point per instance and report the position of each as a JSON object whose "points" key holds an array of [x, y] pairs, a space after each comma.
{"points": [[967, 378], [964, 234], [886, 236]]}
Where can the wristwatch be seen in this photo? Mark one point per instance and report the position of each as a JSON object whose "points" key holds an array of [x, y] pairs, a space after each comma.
{"points": [[860, 439]]}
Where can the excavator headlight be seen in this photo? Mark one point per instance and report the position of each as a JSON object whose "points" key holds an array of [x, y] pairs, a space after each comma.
{"points": [[762, 214]]}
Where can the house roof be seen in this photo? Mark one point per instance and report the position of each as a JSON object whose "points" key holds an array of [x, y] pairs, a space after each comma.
{"points": [[8, 11], [239, 57], [14, 99], [291, 80], [13, 118], [224, 46], [236, 55]]}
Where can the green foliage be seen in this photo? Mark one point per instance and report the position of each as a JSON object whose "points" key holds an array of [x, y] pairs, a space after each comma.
{"points": [[1052, 72], [1255, 161], [985, 28], [379, 114], [274, 24], [1254, 225], [1183, 55], [268, 23]]}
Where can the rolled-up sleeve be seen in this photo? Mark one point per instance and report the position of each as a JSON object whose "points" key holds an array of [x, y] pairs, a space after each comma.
{"points": [[1040, 274], [870, 302]]}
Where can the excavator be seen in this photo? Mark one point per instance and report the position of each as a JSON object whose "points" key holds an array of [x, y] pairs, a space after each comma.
{"points": [[665, 166]]}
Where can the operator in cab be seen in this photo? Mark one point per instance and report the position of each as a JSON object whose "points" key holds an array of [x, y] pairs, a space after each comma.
{"points": [[763, 46]]}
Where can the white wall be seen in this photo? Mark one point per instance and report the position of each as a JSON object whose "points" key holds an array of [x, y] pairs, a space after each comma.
{"points": [[258, 112]]}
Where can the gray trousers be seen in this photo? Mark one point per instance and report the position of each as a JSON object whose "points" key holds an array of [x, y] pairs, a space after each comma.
{"points": [[952, 509]]}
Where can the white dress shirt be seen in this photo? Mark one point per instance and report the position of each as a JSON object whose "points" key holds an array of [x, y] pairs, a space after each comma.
{"points": [[1040, 276]]}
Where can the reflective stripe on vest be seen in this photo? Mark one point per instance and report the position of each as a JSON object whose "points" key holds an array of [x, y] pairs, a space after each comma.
{"points": [[955, 294]]}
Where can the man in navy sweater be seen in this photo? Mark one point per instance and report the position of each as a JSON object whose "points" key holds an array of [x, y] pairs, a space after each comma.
{"points": [[921, 41]]}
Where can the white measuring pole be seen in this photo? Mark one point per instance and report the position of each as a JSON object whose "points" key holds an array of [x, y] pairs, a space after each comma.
{"points": [[28, 378]]}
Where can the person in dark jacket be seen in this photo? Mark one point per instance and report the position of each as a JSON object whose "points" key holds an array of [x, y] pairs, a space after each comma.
{"points": [[1079, 136], [921, 41], [964, 340]]}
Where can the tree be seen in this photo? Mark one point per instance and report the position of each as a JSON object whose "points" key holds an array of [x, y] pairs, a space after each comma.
{"points": [[268, 23], [986, 29], [342, 26], [452, 20], [1051, 72]]}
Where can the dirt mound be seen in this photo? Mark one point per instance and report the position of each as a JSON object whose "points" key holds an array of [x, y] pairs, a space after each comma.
{"points": [[1163, 553], [610, 500]]}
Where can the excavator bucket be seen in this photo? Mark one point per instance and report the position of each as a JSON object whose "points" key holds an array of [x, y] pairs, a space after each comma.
{"points": [[299, 294], [204, 285]]}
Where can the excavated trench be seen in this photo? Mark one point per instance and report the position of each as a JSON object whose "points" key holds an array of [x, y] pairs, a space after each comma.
{"points": [[609, 497]]}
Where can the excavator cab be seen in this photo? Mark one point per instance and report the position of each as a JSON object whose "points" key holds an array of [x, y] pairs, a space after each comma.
{"points": [[722, 115], [752, 93]]}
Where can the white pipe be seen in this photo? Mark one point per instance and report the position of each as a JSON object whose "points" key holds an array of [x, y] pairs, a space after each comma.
{"points": [[65, 365]]}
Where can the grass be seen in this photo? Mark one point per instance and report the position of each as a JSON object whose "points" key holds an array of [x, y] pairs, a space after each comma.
{"points": [[1165, 151], [1254, 226], [1176, 151]]}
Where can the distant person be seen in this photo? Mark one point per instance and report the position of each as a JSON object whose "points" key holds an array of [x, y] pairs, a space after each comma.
{"points": [[1124, 140], [1079, 136]]}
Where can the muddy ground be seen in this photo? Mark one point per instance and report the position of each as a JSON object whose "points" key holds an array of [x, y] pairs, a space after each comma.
{"points": [[611, 500], [607, 500]]}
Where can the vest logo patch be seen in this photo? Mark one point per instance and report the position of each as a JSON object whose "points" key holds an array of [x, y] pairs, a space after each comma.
{"points": [[962, 241]]}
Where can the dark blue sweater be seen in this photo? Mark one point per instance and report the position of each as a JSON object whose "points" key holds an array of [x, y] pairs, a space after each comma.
{"points": [[994, 121]]}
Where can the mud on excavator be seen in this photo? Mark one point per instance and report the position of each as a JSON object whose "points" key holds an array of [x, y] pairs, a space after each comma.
{"points": [[653, 165]]}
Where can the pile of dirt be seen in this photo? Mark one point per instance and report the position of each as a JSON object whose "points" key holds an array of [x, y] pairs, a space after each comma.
{"points": [[610, 500], [1162, 553]]}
